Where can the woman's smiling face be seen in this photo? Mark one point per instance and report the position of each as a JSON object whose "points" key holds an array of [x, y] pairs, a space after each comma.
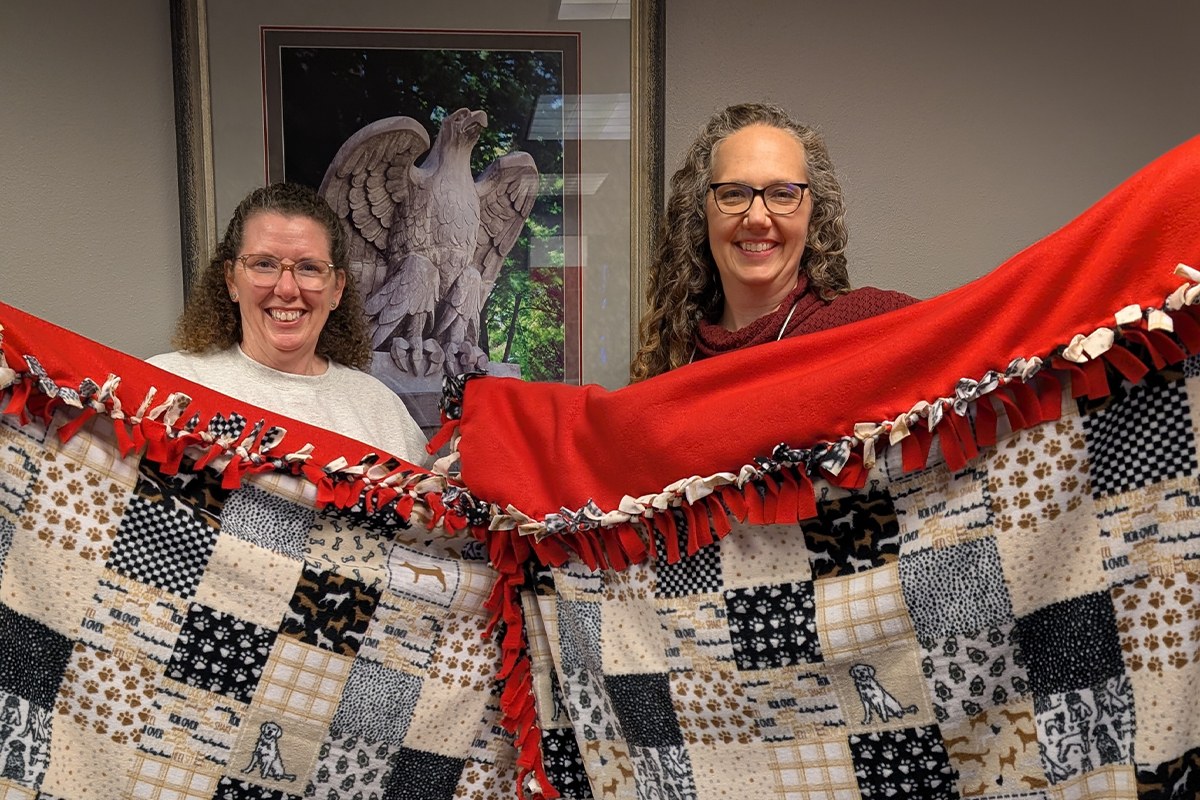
{"points": [[757, 252], [282, 323]]}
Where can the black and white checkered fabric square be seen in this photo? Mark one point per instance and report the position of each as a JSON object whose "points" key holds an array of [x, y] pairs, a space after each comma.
{"points": [[1142, 438], [161, 547], [694, 574], [231, 427]]}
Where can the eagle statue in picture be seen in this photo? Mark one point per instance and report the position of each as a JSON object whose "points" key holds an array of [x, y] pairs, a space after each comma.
{"points": [[426, 243]]}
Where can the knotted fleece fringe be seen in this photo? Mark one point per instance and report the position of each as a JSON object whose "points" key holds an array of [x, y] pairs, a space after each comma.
{"points": [[418, 497], [778, 489]]}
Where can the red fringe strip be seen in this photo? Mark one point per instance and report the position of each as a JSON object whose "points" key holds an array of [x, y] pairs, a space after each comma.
{"points": [[20, 398], [754, 504], [615, 558], [442, 436], [66, 431], [789, 498], [666, 525], [1016, 420], [1027, 401], [508, 552], [985, 421], [770, 499], [1188, 331], [852, 476], [962, 426], [635, 549], [735, 501], [1126, 363], [915, 448], [1097, 379], [952, 449], [719, 517], [1049, 396]]}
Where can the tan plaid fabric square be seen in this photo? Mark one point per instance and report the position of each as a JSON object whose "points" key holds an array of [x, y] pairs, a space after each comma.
{"points": [[288, 487], [474, 585], [159, 779], [302, 681], [95, 447], [10, 791], [862, 612], [1111, 782], [820, 770]]}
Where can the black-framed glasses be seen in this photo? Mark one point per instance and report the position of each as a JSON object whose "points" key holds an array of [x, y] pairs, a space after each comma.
{"points": [[779, 198], [265, 270]]}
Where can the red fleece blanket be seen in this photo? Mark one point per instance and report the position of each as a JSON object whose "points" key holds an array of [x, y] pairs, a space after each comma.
{"points": [[542, 447]]}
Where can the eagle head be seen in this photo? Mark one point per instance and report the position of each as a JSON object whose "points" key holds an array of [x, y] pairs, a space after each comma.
{"points": [[464, 126]]}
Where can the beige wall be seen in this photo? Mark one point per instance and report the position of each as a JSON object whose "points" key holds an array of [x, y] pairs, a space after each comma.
{"points": [[962, 134], [962, 131], [89, 213]]}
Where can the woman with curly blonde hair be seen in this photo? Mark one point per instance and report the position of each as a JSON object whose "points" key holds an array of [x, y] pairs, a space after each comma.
{"points": [[753, 246], [276, 320]]}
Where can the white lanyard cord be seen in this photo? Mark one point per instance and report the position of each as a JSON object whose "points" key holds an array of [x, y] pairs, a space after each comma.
{"points": [[777, 338]]}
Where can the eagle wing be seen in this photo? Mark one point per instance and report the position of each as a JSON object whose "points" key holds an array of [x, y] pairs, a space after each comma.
{"points": [[506, 190], [366, 183]]}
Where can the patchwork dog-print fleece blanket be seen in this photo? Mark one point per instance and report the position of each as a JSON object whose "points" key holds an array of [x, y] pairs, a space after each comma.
{"points": [[940, 554]]}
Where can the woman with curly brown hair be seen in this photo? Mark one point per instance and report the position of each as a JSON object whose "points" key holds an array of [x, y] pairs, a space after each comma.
{"points": [[753, 246], [276, 320]]}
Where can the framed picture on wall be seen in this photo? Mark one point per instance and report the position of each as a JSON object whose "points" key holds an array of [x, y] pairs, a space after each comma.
{"points": [[480, 97], [570, 95]]}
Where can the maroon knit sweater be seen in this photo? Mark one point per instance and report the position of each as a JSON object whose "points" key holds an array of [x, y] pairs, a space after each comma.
{"points": [[812, 314]]}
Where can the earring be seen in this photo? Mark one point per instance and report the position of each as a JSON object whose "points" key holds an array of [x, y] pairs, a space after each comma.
{"points": [[333, 305], [233, 296]]}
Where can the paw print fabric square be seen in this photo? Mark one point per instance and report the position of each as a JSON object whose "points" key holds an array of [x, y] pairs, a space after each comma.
{"points": [[1038, 478], [234, 789], [563, 763], [911, 762], [711, 707], [773, 626], [220, 653]]}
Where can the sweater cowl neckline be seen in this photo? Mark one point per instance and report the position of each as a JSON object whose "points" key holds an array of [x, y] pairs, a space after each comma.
{"points": [[712, 339]]}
